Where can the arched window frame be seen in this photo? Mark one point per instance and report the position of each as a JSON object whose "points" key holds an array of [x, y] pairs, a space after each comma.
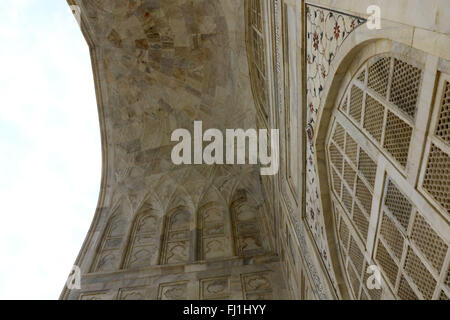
{"points": [[182, 235], [390, 170]]}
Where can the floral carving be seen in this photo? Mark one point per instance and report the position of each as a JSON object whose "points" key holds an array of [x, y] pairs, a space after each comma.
{"points": [[325, 34]]}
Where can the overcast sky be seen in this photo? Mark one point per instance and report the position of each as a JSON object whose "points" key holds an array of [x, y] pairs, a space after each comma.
{"points": [[50, 155]]}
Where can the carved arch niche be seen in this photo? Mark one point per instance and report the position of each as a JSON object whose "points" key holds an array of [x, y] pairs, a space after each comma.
{"points": [[109, 250], [145, 238], [215, 236], [247, 225], [177, 238]]}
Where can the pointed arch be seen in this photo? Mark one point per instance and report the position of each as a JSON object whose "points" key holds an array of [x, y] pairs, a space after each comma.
{"points": [[177, 238], [215, 237], [247, 226], [145, 238], [108, 251]]}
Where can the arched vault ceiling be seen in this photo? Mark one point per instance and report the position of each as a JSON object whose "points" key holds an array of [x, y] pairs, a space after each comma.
{"points": [[162, 65]]}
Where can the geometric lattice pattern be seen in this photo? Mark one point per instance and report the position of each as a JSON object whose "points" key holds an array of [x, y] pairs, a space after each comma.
{"points": [[374, 118], [429, 243], [356, 256], [397, 138], [443, 126], [364, 196], [392, 236], [411, 257], [405, 87], [382, 102], [398, 204], [368, 167], [354, 186], [437, 177], [343, 233], [387, 264], [356, 103], [361, 221], [379, 75], [420, 274], [404, 290], [375, 108]]}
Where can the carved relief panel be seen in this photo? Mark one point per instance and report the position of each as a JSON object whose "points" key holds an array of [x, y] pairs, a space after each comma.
{"points": [[145, 239], [215, 240], [247, 227], [177, 237], [215, 288], [98, 295], [108, 257], [139, 293], [257, 286], [173, 291]]}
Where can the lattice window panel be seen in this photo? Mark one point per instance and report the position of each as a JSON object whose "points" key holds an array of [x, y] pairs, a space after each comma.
{"points": [[344, 234], [343, 152], [351, 149], [356, 256], [363, 296], [339, 135], [443, 296], [382, 103], [386, 115], [398, 204], [367, 167], [437, 177], [336, 158], [374, 118], [364, 196], [379, 71], [361, 221], [388, 265], [354, 280], [356, 103], [424, 280], [347, 200], [429, 242], [406, 81], [443, 125], [404, 290], [392, 236], [362, 76], [344, 105], [400, 243], [447, 279], [349, 174], [357, 275], [337, 183], [397, 138]]}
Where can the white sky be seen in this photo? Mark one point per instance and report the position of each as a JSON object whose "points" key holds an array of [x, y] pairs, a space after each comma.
{"points": [[50, 155]]}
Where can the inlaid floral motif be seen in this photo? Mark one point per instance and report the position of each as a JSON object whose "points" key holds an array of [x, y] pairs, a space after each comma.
{"points": [[326, 32]]}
